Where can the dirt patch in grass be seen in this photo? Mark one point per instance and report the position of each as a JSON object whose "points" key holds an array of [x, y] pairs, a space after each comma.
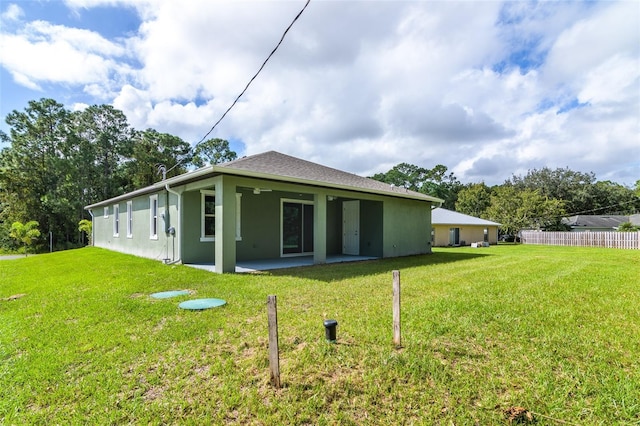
{"points": [[13, 297], [518, 415]]}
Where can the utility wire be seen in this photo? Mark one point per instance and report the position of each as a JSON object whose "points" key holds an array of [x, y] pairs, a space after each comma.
{"points": [[567, 215], [606, 207], [250, 81]]}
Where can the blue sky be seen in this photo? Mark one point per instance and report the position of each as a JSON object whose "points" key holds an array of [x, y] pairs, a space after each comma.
{"points": [[489, 89]]}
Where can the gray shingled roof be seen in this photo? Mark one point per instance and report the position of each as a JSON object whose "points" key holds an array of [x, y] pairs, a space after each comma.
{"points": [[285, 167], [440, 216], [595, 221], [273, 165]]}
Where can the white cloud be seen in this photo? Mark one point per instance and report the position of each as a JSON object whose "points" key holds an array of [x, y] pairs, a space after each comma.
{"points": [[13, 13], [612, 81], [46, 53], [611, 30], [488, 89]]}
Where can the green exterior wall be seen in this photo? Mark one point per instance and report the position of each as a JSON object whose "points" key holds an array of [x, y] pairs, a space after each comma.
{"points": [[164, 247], [389, 226], [406, 228], [334, 227], [193, 250], [371, 224], [261, 215]]}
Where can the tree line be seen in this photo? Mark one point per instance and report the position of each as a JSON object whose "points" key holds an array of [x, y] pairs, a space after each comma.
{"points": [[538, 200], [58, 161]]}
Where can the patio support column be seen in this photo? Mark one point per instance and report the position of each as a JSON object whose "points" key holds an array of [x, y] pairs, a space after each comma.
{"points": [[320, 228], [225, 244]]}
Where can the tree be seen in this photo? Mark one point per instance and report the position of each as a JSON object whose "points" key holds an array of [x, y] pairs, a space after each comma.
{"points": [[34, 171], [403, 175], [86, 226], [435, 182], [517, 209], [560, 184], [474, 199], [443, 185], [152, 149], [103, 145], [27, 233], [212, 151], [59, 161], [612, 198], [628, 227]]}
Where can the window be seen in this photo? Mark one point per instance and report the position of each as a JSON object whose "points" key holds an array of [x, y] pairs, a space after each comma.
{"points": [[129, 219], [116, 220], [208, 216], [106, 212], [153, 217]]}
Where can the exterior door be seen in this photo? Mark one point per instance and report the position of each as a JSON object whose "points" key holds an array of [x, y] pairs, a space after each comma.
{"points": [[351, 227], [297, 228], [454, 236]]}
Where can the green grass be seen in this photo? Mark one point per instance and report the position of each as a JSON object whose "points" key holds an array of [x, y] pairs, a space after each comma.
{"points": [[554, 330]]}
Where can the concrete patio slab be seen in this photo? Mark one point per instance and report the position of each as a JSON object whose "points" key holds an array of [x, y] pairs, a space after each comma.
{"points": [[281, 263]]}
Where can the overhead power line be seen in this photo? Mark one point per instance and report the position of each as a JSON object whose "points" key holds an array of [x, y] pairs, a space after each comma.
{"points": [[605, 207], [250, 81], [256, 74]]}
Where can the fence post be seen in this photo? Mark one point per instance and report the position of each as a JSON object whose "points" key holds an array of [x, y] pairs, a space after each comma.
{"points": [[397, 341], [274, 355]]}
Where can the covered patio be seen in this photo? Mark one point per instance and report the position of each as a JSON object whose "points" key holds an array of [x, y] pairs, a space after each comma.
{"points": [[250, 266]]}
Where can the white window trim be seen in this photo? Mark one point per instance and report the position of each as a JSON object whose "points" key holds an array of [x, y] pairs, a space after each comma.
{"points": [[116, 220], [208, 192], [154, 219], [129, 219], [238, 217], [106, 212], [205, 193]]}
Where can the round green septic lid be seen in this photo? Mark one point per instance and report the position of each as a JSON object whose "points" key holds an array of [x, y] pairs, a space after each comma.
{"points": [[200, 304], [168, 294]]}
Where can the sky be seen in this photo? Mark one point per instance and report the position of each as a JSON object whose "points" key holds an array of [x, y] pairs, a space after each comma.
{"points": [[490, 89]]}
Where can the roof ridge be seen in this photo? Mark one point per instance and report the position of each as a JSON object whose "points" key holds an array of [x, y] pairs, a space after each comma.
{"points": [[244, 157]]}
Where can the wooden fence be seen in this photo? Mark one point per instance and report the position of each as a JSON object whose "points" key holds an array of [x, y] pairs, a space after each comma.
{"points": [[622, 240]]}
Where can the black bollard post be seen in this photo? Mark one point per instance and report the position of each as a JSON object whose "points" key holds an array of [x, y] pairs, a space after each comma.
{"points": [[330, 330]]}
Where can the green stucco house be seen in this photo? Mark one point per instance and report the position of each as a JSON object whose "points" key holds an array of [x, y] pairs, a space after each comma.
{"points": [[265, 206]]}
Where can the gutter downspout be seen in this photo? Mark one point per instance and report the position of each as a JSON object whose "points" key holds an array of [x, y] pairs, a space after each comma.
{"points": [[179, 202], [92, 226]]}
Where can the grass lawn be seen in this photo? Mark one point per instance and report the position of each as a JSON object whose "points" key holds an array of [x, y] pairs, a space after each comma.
{"points": [[554, 330]]}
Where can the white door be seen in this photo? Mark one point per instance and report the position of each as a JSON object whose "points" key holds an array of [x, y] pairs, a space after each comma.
{"points": [[351, 227]]}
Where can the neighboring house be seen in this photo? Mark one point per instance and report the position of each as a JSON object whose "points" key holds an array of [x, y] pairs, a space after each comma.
{"points": [[604, 223], [264, 206], [453, 229]]}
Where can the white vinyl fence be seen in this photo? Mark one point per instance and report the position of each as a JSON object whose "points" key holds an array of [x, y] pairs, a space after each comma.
{"points": [[622, 240]]}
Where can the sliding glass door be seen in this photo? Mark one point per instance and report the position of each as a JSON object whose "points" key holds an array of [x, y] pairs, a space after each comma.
{"points": [[297, 228]]}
